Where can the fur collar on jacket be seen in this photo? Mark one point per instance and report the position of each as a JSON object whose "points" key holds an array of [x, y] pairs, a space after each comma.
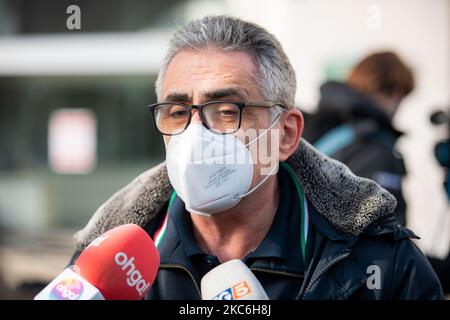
{"points": [[350, 203]]}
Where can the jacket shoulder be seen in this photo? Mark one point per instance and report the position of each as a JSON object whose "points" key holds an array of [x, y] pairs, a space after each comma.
{"points": [[413, 277], [406, 272]]}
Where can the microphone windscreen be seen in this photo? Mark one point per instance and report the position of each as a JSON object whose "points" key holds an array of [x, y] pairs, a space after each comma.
{"points": [[232, 280], [122, 263], [69, 285]]}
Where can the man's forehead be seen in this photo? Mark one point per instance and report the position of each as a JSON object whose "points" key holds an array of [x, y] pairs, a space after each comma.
{"points": [[208, 74]]}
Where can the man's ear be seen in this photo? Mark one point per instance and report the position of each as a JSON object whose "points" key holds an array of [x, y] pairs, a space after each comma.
{"points": [[291, 132]]}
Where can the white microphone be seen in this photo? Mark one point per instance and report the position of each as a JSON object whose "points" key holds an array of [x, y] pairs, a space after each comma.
{"points": [[69, 285], [232, 280]]}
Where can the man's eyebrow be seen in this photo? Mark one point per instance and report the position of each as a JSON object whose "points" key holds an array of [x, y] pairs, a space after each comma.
{"points": [[222, 93], [209, 95], [176, 96]]}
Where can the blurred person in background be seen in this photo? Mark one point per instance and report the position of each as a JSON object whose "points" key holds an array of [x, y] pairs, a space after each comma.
{"points": [[353, 122]]}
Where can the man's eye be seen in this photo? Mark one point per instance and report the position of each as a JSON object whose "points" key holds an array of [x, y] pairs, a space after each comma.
{"points": [[227, 112], [178, 113]]}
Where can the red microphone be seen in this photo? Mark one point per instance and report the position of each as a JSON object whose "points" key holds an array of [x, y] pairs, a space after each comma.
{"points": [[122, 264]]}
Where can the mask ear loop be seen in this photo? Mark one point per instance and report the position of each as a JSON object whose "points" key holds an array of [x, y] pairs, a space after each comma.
{"points": [[275, 167], [264, 132]]}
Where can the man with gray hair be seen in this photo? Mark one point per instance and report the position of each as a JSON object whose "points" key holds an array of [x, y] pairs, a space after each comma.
{"points": [[239, 182]]}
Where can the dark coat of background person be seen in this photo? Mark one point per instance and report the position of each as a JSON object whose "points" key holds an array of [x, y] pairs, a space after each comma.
{"points": [[373, 153], [366, 103]]}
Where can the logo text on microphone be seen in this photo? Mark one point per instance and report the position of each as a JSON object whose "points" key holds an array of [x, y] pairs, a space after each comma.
{"points": [[237, 291], [134, 276]]}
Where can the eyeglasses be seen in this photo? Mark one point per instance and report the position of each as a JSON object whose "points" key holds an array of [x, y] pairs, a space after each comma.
{"points": [[223, 117]]}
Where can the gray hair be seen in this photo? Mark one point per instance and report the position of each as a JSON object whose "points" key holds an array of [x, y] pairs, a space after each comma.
{"points": [[276, 78]]}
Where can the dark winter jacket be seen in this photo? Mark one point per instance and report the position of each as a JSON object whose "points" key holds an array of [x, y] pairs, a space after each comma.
{"points": [[358, 251]]}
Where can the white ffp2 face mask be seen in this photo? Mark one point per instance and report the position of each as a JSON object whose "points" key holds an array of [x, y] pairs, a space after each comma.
{"points": [[210, 172]]}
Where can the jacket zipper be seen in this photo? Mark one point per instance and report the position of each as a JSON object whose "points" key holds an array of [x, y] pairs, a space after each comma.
{"points": [[278, 273], [176, 266], [324, 270]]}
